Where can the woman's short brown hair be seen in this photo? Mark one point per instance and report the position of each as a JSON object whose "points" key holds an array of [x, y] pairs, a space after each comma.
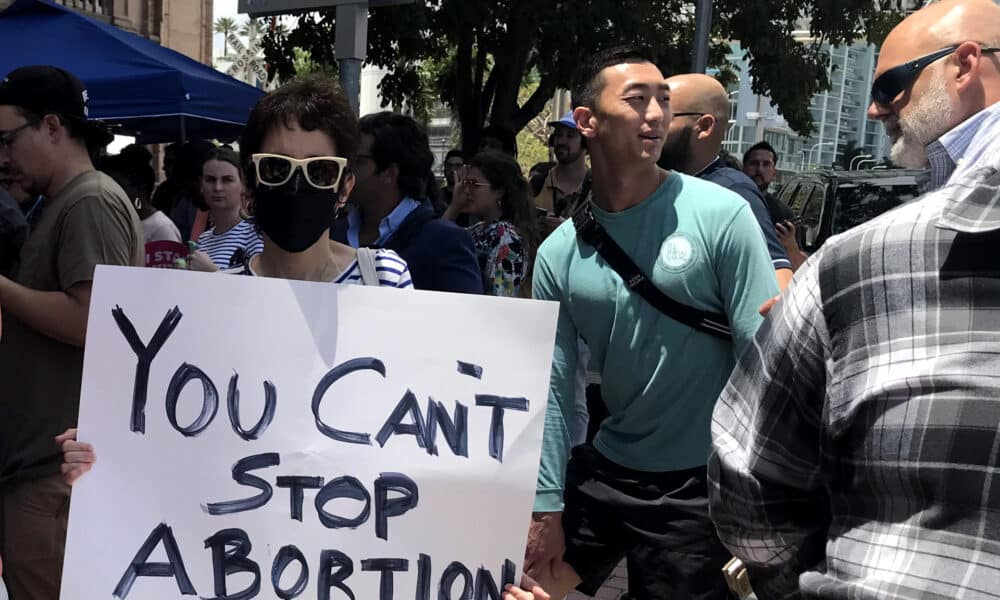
{"points": [[314, 102]]}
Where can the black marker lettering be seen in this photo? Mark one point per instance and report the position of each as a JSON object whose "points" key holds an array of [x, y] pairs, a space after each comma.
{"points": [[356, 364], [328, 560], [386, 566], [448, 578], [144, 355], [470, 369], [233, 402], [423, 578], [234, 560], [395, 426], [284, 558], [343, 487], [210, 400], [499, 403], [140, 568], [486, 587], [240, 476], [385, 507], [296, 484], [456, 432]]}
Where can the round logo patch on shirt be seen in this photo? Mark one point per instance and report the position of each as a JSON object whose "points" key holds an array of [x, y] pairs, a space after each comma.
{"points": [[677, 252]]}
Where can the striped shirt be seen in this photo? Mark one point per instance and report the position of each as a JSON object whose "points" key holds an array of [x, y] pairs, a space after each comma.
{"points": [[390, 268], [962, 149], [243, 239], [856, 443]]}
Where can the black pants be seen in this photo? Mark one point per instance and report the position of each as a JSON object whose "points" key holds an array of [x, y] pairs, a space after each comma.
{"points": [[657, 521]]}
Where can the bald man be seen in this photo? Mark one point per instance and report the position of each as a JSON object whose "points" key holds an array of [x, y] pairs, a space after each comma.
{"points": [[855, 446], [936, 88], [700, 110]]}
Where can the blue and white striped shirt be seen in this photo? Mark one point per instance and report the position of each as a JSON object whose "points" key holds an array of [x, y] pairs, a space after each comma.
{"points": [[221, 248], [962, 149], [390, 268]]}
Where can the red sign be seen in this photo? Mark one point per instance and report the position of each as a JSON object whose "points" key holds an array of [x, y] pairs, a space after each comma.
{"points": [[163, 253]]}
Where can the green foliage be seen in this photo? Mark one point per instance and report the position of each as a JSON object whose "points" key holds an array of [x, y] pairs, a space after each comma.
{"points": [[475, 56], [225, 26]]}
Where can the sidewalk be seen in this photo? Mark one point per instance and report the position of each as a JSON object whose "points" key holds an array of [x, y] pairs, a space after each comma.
{"points": [[614, 587]]}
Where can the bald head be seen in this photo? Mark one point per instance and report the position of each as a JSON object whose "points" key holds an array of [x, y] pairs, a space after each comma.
{"points": [[940, 25], [700, 109], [918, 106], [695, 92]]}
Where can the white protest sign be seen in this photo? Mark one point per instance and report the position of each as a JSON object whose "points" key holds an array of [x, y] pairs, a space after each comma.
{"points": [[260, 438]]}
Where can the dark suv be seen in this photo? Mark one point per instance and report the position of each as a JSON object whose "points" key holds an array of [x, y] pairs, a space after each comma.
{"points": [[831, 202]]}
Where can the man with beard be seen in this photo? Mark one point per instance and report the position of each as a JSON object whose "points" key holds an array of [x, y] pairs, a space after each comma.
{"points": [[940, 113], [856, 441], [694, 142], [638, 489], [568, 178], [86, 220]]}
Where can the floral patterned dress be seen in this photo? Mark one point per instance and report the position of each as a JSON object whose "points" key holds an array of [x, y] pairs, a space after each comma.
{"points": [[503, 258]]}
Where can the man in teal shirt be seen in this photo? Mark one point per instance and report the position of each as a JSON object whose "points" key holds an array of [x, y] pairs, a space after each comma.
{"points": [[639, 490]]}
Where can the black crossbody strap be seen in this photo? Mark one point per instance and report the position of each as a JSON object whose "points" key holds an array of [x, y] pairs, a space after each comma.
{"points": [[593, 233]]}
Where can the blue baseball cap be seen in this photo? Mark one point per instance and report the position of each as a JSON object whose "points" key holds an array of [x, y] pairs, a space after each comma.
{"points": [[565, 121]]}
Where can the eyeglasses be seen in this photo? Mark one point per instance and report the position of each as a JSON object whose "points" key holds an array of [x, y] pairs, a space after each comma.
{"points": [[889, 85], [474, 183], [687, 114], [7, 137], [462, 176], [322, 172]]}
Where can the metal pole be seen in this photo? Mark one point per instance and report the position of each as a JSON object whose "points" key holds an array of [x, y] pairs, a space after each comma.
{"points": [[703, 29], [183, 129], [351, 48]]}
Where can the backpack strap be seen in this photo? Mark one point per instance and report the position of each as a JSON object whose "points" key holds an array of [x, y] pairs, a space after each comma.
{"points": [[366, 263], [593, 233]]}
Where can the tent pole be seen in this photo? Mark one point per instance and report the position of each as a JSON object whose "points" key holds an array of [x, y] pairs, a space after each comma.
{"points": [[183, 129]]}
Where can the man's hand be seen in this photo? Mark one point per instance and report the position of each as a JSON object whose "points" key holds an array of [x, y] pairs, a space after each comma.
{"points": [[767, 306], [786, 235], [78, 458], [546, 543]]}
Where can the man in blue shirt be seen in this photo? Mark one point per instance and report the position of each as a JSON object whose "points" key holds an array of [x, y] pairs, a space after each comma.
{"points": [[639, 490], [694, 140], [391, 210]]}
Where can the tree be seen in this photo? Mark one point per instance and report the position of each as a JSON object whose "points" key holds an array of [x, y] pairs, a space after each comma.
{"points": [[225, 26], [487, 47]]}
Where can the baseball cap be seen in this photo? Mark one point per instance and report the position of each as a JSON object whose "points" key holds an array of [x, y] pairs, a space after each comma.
{"points": [[565, 121], [46, 90]]}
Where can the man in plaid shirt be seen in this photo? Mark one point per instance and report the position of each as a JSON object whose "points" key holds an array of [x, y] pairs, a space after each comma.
{"points": [[857, 443]]}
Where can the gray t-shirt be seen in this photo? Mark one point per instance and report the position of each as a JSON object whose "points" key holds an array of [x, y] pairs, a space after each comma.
{"points": [[89, 223]]}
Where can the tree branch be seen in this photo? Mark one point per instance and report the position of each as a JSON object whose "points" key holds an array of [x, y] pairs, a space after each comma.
{"points": [[534, 104]]}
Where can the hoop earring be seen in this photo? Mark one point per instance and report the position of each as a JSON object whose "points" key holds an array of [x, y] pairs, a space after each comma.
{"points": [[137, 203]]}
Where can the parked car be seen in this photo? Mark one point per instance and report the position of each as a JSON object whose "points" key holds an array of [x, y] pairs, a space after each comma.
{"points": [[830, 202]]}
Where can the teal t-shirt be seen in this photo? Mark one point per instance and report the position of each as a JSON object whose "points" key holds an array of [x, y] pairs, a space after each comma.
{"points": [[701, 245]]}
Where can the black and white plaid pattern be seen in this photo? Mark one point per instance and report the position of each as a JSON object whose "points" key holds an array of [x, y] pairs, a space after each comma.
{"points": [[857, 443]]}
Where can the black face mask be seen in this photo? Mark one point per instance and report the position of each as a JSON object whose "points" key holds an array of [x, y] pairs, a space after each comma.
{"points": [[294, 215]]}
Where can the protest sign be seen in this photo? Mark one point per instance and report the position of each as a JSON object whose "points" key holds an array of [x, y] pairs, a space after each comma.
{"points": [[260, 438]]}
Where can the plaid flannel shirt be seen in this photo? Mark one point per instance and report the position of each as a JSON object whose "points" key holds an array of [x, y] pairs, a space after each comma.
{"points": [[857, 443]]}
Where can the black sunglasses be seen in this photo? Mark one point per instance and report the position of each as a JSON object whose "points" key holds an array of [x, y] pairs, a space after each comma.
{"points": [[889, 85]]}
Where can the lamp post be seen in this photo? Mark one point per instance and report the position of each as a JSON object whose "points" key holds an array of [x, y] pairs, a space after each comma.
{"points": [[873, 161], [351, 32], [818, 145], [859, 158]]}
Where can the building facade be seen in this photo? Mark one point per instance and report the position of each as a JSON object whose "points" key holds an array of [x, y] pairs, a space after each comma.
{"points": [[181, 25], [840, 122]]}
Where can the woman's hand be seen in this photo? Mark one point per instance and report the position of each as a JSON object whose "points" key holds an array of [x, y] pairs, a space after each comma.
{"points": [[199, 261], [78, 458]]}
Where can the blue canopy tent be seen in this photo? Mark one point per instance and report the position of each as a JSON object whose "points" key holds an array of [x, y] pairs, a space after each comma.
{"points": [[137, 86]]}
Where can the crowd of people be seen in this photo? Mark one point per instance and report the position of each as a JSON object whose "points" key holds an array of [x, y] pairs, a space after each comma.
{"points": [[835, 430]]}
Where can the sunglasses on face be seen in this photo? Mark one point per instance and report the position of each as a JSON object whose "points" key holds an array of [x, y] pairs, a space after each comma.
{"points": [[322, 172], [889, 85]]}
